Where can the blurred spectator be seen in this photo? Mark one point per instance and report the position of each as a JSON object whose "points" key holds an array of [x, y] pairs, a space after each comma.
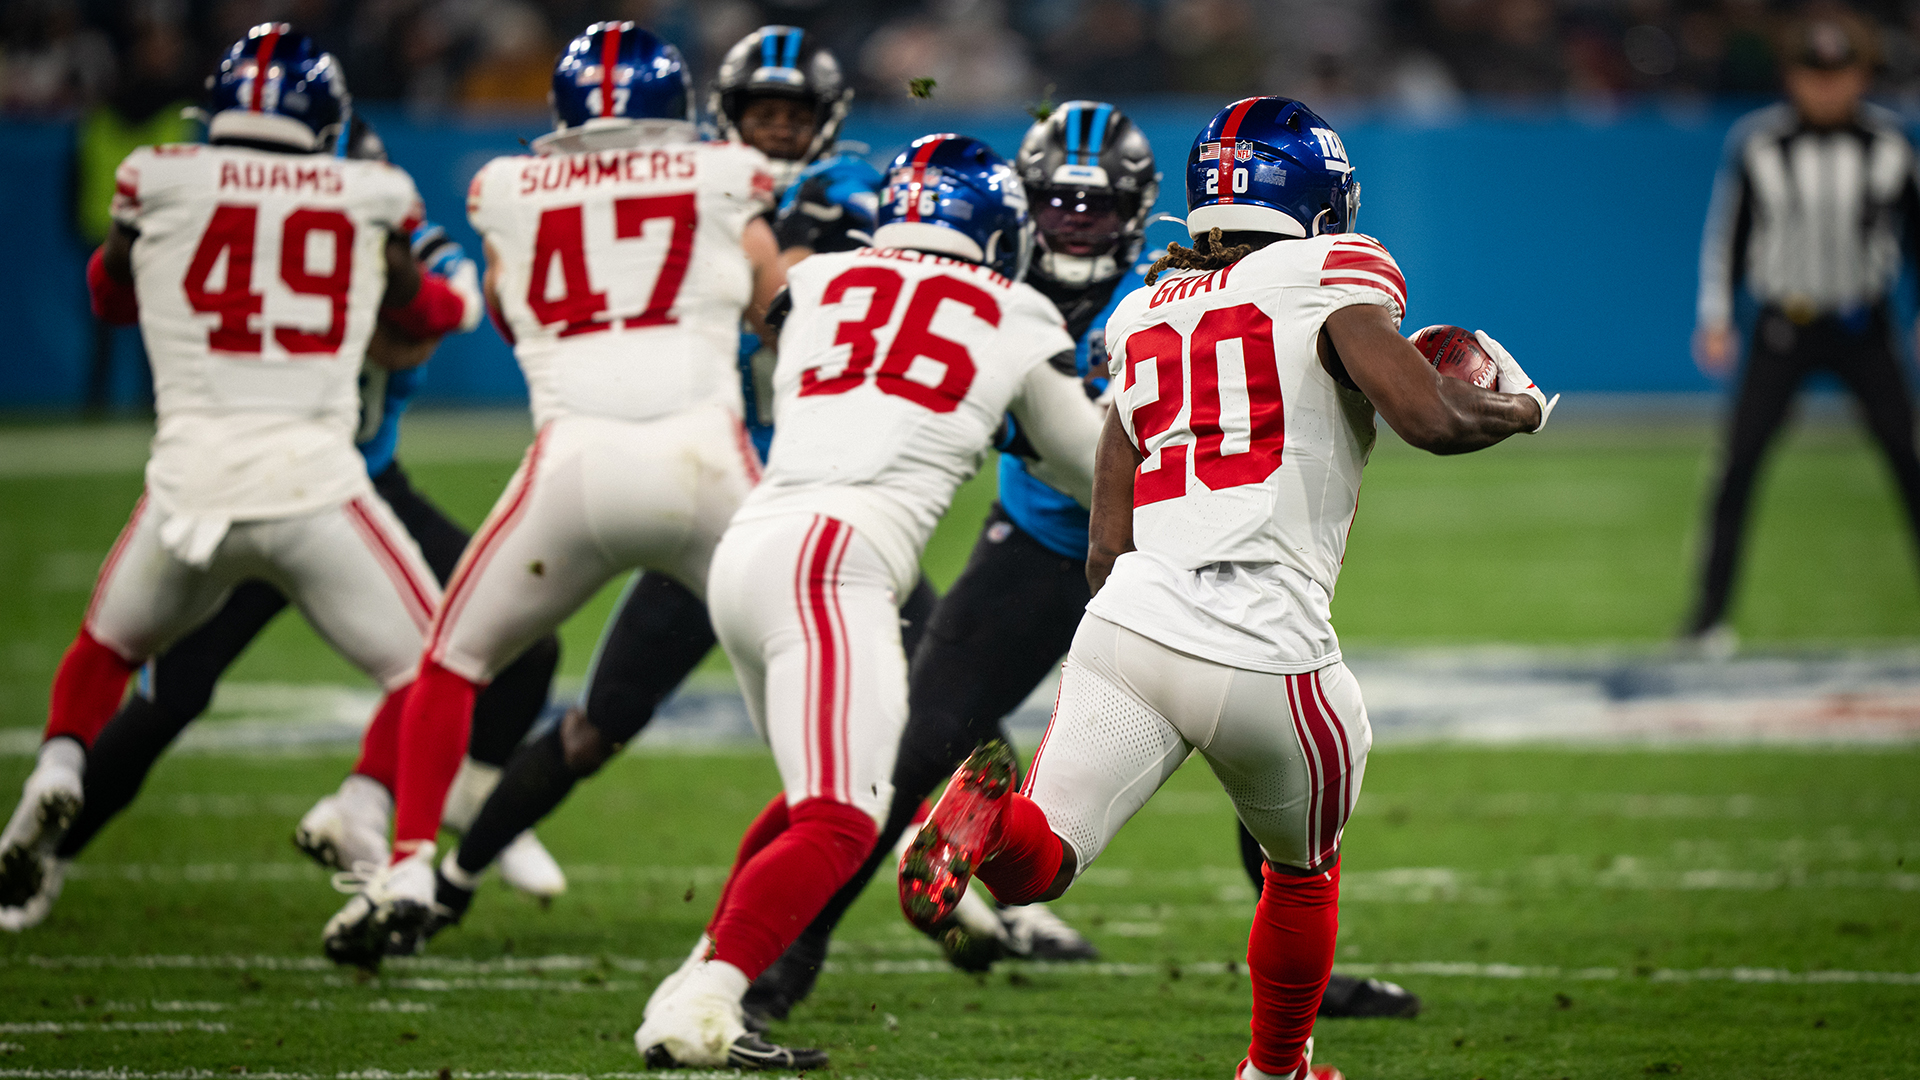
{"points": [[1108, 51], [1214, 46], [50, 62], [142, 107], [965, 46]]}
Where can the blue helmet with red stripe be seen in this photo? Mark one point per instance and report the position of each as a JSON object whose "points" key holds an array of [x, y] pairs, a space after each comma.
{"points": [[619, 71], [953, 195], [276, 85], [1270, 164]]}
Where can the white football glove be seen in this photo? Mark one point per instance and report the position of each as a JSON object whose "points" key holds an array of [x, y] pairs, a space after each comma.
{"points": [[1513, 380]]}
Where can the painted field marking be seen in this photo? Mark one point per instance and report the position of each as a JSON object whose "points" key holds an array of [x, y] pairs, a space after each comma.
{"points": [[55, 1027], [929, 966]]}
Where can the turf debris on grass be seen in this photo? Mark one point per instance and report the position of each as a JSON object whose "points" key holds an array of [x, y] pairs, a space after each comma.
{"points": [[1738, 913]]}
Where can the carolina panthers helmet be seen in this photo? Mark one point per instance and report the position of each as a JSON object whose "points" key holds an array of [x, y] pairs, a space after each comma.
{"points": [[782, 61], [617, 72], [953, 195], [1269, 164], [1089, 174], [277, 86]]}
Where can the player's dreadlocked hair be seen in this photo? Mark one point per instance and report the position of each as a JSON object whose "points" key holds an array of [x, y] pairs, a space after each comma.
{"points": [[1209, 252]]}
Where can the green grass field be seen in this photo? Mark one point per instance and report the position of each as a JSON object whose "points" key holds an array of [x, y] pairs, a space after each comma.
{"points": [[1744, 913], [190, 942], [1584, 535]]}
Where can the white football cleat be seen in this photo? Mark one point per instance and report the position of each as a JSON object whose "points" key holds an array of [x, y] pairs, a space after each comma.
{"points": [[32, 913], [527, 865], [349, 827], [694, 1022], [1035, 933], [49, 801], [391, 913]]}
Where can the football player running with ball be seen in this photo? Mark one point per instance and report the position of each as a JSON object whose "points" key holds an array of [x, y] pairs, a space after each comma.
{"points": [[1226, 483], [256, 267], [621, 257], [897, 364]]}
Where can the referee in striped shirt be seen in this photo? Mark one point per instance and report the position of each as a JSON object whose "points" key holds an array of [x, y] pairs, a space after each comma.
{"points": [[1812, 210]]}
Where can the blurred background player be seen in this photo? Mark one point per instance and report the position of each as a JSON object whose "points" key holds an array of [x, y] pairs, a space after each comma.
{"points": [[175, 687], [1811, 212], [1010, 615], [253, 473], [790, 110], [871, 445], [621, 257], [1215, 634]]}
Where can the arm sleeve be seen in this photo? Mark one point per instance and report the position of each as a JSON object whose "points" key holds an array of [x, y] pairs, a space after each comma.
{"points": [[113, 303], [437, 309], [1062, 427], [1723, 243], [126, 193]]}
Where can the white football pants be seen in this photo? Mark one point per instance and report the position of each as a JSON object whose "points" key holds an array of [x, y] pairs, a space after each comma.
{"points": [[351, 569], [1289, 749], [811, 620], [593, 497]]}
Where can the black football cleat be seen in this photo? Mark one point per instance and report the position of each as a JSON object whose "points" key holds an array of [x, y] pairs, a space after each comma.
{"points": [[951, 845], [784, 984], [1348, 998]]}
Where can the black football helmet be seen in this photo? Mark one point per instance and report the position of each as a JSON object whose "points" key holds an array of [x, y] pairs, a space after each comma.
{"points": [[1091, 184], [783, 61]]}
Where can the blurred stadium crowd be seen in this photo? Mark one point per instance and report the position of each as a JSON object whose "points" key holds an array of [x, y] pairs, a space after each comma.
{"points": [[1421, 57]]}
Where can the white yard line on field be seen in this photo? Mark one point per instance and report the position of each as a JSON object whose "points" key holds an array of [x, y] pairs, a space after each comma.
{"points": [[54, 1027], [405, 969]]}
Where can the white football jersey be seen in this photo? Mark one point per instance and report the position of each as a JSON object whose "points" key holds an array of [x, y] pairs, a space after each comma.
{"points": [[1252, 452], [895, 370], [621, 273], [259, 277]]}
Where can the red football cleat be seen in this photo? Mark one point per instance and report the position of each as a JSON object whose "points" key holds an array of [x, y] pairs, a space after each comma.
{"points": [[935, 871]]}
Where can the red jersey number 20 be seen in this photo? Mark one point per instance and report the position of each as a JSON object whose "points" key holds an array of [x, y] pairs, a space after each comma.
{"points": [[1258, 434]]}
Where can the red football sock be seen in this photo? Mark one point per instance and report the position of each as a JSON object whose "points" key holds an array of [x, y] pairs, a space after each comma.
{"points": [[380, 746], [771, 822], [87, 689], [1027, 858], [433, 738], [1289, 956], [782, 887]]}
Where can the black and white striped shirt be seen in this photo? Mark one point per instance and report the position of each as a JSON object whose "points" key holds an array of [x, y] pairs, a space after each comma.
{"points": [[1811, 220]]}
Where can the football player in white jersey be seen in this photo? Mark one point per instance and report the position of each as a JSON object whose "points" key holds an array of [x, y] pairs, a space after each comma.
{"points": [[621, 257], [896, 366], [256, 267], [1229, 472]]}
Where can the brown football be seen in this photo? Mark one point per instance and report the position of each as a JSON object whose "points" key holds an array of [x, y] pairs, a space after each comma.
{"points": [[1456, 353]]}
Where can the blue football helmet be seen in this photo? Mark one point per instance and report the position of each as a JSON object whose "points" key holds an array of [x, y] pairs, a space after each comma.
{"points": [[276, 85], [650, 79], [1269, 164], [953, 195]]}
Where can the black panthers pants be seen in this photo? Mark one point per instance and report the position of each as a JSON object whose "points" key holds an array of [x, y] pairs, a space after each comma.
{"points": [[178, 684], [1006, 622], [1861, 351]]}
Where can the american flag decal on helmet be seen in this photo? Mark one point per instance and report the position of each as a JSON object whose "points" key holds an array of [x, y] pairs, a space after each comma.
{"points": [[1360, 260]]}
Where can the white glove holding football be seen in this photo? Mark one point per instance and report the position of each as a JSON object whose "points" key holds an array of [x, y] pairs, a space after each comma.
{"points": [[1511, 379]]}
